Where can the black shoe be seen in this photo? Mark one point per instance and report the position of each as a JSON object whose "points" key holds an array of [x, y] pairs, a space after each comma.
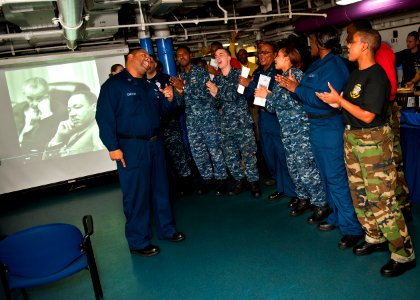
{"points": [[205, 187], [301, 207], [150, 250], [255, 189], [325, 226], [293, 202], [408, 215], [320, 213], [394, 268], [275, 196], [176, 237], [184, 186], [270, 182], [349, 241], [367, 248], [221, 187], [238, 188]]}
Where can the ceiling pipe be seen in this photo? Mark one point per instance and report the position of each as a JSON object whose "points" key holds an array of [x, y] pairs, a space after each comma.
{"points": [[205, 20], [70, 18], [3, 2], [142, 27], [31, 34], [185, 30], [341, 15], [225, 13]]}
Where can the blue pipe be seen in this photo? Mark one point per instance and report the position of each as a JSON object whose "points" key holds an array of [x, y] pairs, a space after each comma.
{"points": [[146, 44], [166, 55]]}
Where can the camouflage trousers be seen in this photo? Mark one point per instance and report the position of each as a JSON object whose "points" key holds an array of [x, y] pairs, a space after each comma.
{"points": [[401, 189], [178, 157], [372, 179], [238, 142], [205, 141], [301, 163]]}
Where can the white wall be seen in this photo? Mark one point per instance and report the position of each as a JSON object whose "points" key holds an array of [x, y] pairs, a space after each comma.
{"points": [[398, 44]]}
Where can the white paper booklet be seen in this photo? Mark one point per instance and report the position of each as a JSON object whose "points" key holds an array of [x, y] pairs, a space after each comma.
{"points": [[213, 63], [244, 73], [264, 82]]}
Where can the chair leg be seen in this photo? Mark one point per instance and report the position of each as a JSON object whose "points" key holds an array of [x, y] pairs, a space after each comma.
{"points": [[24, 294], [96, 284], [93, 270], [5, 282], [8, 294]]}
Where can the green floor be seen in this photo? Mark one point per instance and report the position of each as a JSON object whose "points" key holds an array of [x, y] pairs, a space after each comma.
{"points": [[236, 248]]}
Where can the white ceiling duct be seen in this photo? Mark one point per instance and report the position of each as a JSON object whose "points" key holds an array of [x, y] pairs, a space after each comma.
{"points": [[71, 20]]}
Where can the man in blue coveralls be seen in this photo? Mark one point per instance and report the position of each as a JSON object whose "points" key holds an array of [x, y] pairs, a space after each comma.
{"points": [[128, 116], [270, 139]]}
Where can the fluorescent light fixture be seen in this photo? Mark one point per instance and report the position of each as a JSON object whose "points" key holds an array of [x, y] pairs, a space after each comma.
{"points": [[346, 2]]}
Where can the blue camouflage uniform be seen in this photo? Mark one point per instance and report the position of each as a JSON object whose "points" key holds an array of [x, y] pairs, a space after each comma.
{"points": [[238, 139], [270, 139], [172, 133], [202, 124], [128, 115], [326, 136], [295, 134]]}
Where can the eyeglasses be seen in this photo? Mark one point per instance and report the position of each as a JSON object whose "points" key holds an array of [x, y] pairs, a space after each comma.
{"points": [[264, 52]]}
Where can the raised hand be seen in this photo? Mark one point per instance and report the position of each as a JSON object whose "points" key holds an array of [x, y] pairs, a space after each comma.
{"points": [[178, 83], [289, 83], [168, 92], [212, 88], [332, 98], [261, 92]]}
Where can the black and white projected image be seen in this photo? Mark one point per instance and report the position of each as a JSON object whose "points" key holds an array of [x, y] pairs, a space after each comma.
{"points": [[54, 109]]}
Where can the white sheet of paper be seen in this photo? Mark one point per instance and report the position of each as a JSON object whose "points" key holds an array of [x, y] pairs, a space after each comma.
{"points": [[263, 81], [259, 101], [213, 63], [244, 73]]}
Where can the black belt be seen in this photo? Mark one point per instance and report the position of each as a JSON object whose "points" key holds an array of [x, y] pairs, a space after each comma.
{"points": [[323, 116], [137, 137]]}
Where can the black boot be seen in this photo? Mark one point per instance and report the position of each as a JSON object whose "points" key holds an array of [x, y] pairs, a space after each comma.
{"points": [[238, 188], [255, 189], [301, 207], [293, 202], [205, 187], [320, 213], [221, 187], [184, 186]]}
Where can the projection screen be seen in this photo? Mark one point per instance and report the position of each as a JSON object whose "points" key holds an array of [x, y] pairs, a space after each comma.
{"points": [[47, 105]]}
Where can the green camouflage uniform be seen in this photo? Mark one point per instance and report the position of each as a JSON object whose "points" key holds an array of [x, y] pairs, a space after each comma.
{"points": [[372, 178]]}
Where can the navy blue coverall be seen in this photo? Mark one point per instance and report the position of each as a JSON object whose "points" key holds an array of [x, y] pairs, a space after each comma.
{"points": [[270, 138], [128, 115], [326, 136]]}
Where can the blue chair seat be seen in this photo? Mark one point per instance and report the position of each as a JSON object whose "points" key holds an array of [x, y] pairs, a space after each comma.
{"points": [[47, 253], [18, 282]]}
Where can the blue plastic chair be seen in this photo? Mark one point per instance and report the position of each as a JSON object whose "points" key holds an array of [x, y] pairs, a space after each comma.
{"points": [[47, 253]]}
